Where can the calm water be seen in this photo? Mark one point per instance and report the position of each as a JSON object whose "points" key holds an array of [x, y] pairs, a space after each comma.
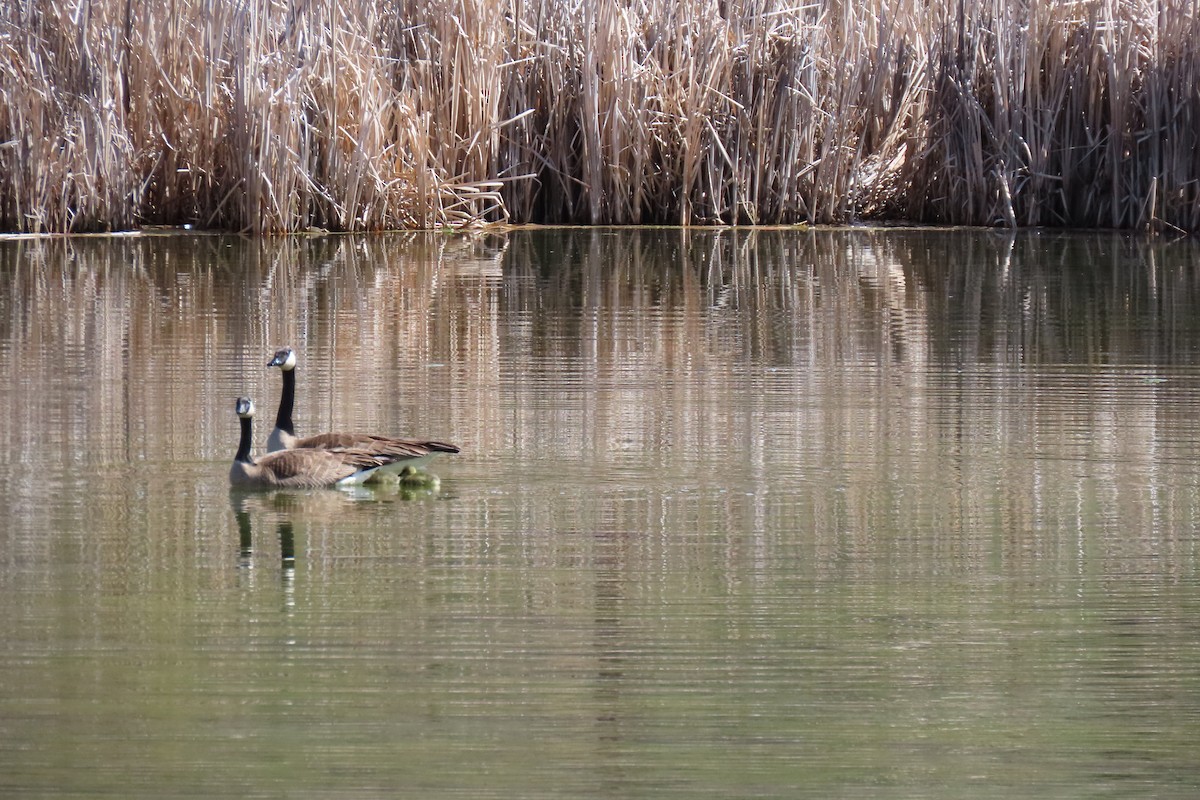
{"points": [[878, 514]]}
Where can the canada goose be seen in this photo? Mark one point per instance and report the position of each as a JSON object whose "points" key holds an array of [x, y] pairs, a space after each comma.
{"points": [[306, 468], [283, 437]]}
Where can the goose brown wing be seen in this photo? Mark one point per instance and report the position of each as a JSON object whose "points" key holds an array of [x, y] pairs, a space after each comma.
{"points": [[437, 447], [313, 468], [408, 448], [337, 439], [380, 445]]}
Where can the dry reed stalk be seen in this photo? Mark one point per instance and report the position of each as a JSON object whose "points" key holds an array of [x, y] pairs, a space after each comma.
{"points": [[1062, 114], [264, 116]]}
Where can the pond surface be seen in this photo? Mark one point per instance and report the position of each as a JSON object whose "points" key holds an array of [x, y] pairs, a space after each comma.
{"points": [[878, 514]]}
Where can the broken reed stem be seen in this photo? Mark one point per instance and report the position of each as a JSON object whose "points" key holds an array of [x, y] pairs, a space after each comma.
{"points": [[266, 117]]}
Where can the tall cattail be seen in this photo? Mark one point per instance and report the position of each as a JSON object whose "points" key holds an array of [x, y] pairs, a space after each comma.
{"points": [[269, 117]]}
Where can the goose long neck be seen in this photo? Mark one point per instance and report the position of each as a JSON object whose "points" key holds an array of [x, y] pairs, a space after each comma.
{"points": [[283, 420], [243, 452]]}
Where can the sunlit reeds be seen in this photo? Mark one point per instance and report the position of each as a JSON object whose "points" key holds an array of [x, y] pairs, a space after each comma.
{"points": [[1077, 114], [267, 116]]}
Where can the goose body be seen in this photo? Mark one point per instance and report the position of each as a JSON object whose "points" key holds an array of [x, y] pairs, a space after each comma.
{"points": [[306, 468], [283, 436]]}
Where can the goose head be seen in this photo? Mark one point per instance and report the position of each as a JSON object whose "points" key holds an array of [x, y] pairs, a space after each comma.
{"points": [[284, 358], [245, 408]]}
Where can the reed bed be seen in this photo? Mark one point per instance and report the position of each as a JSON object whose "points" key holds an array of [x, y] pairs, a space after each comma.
{"points": [[265, 116]]}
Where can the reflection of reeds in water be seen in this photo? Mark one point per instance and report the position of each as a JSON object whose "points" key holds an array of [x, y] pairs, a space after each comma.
{"points": [[267, 117], [852, 359], [435, 319]]}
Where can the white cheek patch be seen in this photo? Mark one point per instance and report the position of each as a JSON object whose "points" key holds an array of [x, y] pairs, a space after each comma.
{"points": [[290, 362]]}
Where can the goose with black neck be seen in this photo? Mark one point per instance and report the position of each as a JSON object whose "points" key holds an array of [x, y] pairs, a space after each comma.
{"points": [[283, 437], [306, 468]]}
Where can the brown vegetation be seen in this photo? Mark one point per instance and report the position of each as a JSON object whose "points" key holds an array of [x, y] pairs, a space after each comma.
{"points": [[270, 116]]}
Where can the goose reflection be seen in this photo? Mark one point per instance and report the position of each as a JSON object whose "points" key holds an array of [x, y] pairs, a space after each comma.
{"points": [[277, 508], [262, 510], [289, 510]]}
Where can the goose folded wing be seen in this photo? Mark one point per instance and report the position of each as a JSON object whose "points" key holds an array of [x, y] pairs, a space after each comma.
{"points": [[409, 448], [339, 440], [379, 445], [313, 468]]}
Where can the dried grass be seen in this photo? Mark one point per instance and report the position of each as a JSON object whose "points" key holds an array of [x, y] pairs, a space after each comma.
{"points": [[1076, 114], [265, 116]]}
